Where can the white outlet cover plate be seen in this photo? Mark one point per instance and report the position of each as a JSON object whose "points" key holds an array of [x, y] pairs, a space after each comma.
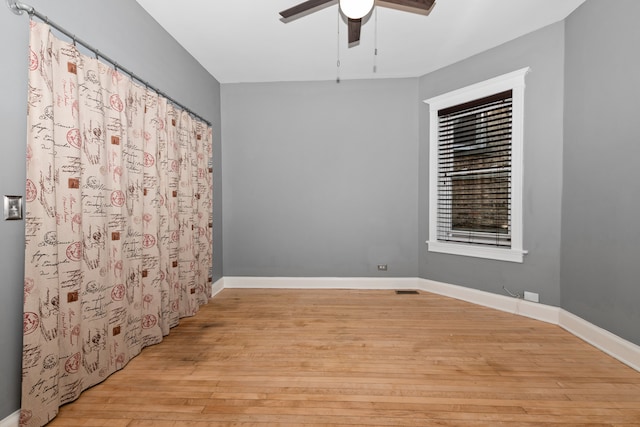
{"points": [[531, 296]]}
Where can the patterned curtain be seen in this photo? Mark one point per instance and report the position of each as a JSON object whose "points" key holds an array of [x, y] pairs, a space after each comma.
{"points": [[118, 222]]}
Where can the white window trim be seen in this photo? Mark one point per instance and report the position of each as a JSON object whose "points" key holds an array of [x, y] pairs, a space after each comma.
{"points": [[511, 81]]}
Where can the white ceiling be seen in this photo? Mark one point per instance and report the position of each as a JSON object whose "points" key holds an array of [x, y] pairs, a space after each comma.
{"points": [[245, 40]]}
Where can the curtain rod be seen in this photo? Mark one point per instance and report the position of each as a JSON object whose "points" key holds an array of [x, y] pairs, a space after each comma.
{"points": [[18, 8]]}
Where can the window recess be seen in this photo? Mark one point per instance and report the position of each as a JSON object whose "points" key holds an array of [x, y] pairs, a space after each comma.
{"points": [[476, 169]]}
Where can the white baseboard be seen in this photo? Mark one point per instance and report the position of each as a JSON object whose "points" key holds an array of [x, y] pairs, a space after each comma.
{"points": [[217, 287], [365, 283], [12, 420], [534, 310], [619, 348]]}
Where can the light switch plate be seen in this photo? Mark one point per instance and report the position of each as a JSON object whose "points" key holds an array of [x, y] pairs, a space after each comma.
{"points": [[12, 208]]}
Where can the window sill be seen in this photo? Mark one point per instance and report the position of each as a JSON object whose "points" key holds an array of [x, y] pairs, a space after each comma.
{"points": [[500, 254]]}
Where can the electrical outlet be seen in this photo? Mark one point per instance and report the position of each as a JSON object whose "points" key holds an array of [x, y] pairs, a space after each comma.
{"points": [[531, 296], [382, 267]]}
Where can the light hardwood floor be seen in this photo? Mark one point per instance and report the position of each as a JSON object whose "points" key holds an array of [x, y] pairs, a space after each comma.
{"points": [[369, 358]]}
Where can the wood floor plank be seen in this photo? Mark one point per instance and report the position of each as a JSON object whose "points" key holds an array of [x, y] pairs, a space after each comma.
{"points": [[256, 357]]}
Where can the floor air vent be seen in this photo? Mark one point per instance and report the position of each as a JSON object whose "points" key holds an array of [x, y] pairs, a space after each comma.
{"points": [[407, 292]]}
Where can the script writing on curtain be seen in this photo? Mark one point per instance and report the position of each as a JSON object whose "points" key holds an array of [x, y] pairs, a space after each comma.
{"points": [[118, 222]]}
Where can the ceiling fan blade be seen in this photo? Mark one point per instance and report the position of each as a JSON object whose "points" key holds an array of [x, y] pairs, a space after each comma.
{"points": [[416, 6], [354, 30], [302, 7]]}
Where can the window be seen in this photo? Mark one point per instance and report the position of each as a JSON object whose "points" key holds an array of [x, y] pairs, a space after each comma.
{"points": [[475, 177]]}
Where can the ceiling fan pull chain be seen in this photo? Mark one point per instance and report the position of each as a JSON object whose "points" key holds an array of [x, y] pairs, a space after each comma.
{"points": [[375, 42], [338, 50]]}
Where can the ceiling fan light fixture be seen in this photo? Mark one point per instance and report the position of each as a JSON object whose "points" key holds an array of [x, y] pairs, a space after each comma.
{"points": [[356, 9]]}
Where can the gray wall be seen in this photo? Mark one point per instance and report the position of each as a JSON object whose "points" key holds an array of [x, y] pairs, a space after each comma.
{"points": [[320, 179], [601, 203], [122, 30], [543, 51]]}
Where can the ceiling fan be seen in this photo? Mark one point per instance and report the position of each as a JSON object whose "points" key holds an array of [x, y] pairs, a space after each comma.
{"points": [[355, 10]]}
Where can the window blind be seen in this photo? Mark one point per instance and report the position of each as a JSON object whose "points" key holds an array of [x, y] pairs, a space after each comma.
{"points": [[474, 171]]}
